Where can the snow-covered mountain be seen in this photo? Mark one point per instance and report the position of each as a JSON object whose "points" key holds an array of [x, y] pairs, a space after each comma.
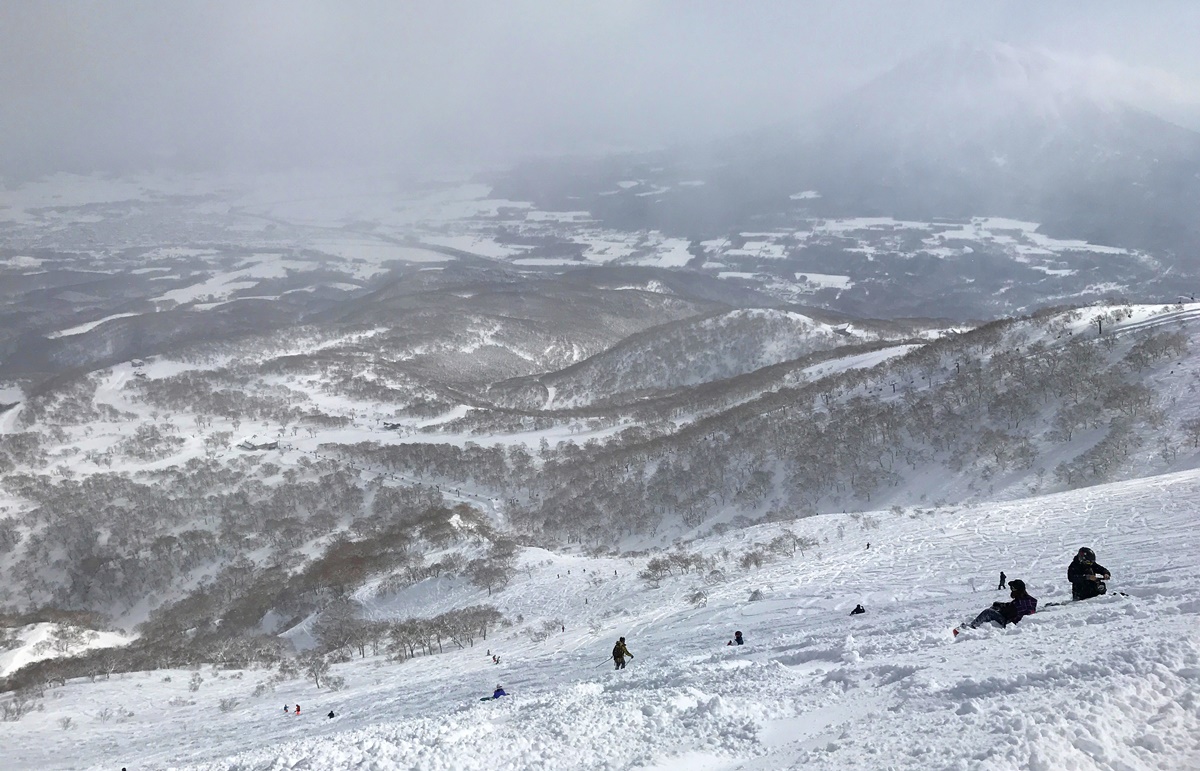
{"points": [[1109, 683], [258, 446], [302, 440], [689, 353], [959, 130], [969, 129]]}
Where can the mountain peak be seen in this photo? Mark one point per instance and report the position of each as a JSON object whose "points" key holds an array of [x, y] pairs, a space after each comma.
{"points": [[988, 80]]}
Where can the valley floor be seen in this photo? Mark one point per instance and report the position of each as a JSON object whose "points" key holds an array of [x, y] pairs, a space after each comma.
{"points": [[1110, 683]]}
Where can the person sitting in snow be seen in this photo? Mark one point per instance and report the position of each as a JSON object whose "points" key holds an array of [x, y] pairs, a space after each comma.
{"points": [[1086, 576], [737, 639], [858, 609], [1005, 613], [620, 652], [496, 694]]}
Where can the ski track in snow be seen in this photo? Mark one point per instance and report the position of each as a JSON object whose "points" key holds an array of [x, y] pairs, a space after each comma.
{"points": [[1112, 683]]}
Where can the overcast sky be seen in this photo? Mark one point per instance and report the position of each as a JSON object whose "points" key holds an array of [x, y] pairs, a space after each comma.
{"points": [[222, 84]]}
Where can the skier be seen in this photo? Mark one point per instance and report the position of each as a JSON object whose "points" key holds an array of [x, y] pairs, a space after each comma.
{"points": [[1087, 577], [619, 653], [1003, 579], [1005, 613], [737, 639], [858, 609]]}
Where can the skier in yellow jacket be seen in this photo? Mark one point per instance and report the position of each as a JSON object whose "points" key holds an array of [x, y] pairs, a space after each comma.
{"points": [[620, 652]]}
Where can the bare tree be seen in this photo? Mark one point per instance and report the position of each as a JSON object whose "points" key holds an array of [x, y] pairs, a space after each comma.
{"points": [[315, 666]]}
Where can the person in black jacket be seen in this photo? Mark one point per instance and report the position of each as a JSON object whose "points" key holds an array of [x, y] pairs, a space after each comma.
{"points": [[620, 653], [1087, 577], [1005, 613], [858, 609]]}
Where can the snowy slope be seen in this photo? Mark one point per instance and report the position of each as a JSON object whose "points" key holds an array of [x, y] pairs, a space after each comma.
{"points": [[1113, 683], [685, 353], [34, 643]]}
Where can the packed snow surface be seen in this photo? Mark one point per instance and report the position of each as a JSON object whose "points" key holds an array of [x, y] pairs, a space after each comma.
{"points": [[1109, 683]]}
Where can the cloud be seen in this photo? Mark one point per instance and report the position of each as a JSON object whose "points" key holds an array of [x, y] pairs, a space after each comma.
{"points": [[267, 83], [1166, 93]]}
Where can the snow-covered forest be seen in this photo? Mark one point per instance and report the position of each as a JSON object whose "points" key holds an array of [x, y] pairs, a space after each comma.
{"points": [[366, 389]]}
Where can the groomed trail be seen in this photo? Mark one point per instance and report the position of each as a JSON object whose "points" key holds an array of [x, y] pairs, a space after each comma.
{"points": [[1111, 683]]}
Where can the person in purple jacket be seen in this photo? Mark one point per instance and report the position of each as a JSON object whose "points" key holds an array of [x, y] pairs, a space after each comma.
{"points": [[1005, 613]]}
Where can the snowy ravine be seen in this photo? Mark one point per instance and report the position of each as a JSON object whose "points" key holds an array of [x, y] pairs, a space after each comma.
{"points": [[1110, 683]]}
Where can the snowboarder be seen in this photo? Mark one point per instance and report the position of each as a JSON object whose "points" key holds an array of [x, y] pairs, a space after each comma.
{"points": [[737, 639], [496, 694], [297, 709], [858, 609], [1005, 613], [1087, 577], [331, 716], [619, 653], [1003, 579]]}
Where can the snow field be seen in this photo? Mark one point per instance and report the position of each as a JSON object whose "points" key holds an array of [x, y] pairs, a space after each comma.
{"points": [[1113, 683], [31, 636]]}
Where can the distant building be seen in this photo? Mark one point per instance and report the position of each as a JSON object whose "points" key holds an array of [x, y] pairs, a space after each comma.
{"points": [[252, 443]]}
